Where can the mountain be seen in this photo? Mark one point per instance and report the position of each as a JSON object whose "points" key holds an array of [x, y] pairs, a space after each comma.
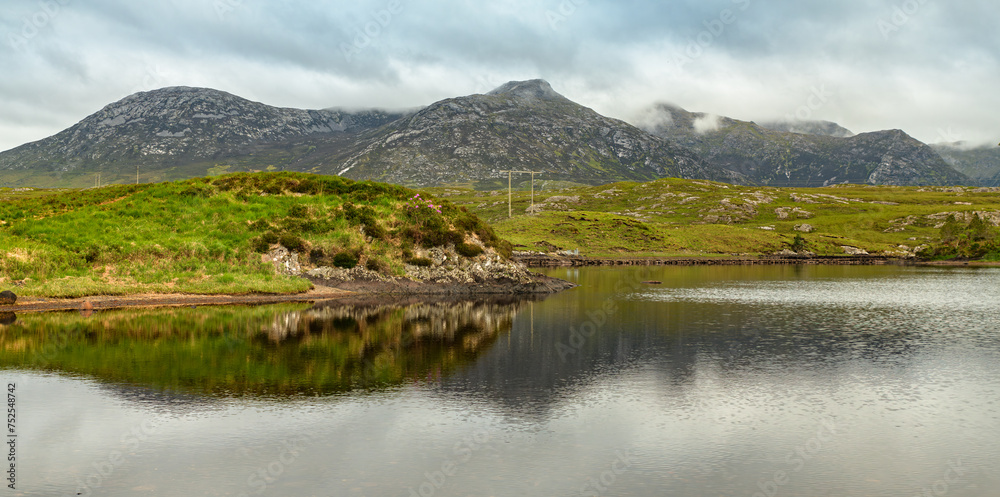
{"points": [[522, 125], [178, 127], [180, 132], [779, 158], [821, 128], [982, 163]]}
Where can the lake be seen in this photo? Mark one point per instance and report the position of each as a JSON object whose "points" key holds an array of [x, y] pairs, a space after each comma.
{"points": [[720, 380]]}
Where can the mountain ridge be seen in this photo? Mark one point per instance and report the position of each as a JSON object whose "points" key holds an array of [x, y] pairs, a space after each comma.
{"points": [[781, 158], [520, 125], [179, 132], [177, 125]]}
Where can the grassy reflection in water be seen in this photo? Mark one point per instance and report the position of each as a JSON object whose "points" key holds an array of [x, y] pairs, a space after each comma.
{"points": [[267, 350]]}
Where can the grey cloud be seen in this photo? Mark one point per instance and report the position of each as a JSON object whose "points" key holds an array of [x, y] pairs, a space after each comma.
{"points": [[935, 69]]}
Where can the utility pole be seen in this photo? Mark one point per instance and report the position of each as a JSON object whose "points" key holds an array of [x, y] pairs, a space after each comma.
{"points": [[509, 194], [137, 174], [533, 173]]}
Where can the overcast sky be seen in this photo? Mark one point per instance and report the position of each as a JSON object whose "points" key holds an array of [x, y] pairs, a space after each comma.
{"points": [[929, 67]]}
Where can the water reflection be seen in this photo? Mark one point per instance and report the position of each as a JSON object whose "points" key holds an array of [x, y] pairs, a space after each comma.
{"points": [[848, 381], [269, 350]]}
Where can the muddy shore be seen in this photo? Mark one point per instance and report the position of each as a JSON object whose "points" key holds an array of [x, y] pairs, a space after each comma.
{"points": [[103, 302], [324, 289]]}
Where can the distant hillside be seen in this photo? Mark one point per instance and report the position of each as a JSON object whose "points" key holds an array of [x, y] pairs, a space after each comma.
{"points": [[777, 158], [520, 125], [676, 217], [982, 164]]}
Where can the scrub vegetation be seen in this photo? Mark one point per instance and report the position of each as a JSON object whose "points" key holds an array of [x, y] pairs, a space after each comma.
{"points": [[209, 235]]}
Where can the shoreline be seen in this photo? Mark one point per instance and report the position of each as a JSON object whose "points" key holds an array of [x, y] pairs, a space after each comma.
{"points": [[542, 285], [323, 290], [106, 302], [550, 261], [540, 260]]}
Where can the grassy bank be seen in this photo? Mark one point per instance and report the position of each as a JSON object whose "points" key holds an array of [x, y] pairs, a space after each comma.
{"points": [[673, 217], [208, 235]]}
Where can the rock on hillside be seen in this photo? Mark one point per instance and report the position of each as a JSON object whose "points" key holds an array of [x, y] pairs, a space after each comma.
{"points": [[777, 158], [522, 125]]}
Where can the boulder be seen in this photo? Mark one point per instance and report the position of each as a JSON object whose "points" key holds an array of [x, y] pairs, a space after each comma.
{"points": [[7, 297], [805, 228]]}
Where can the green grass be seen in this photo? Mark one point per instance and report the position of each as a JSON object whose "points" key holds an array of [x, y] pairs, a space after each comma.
{"points": [[208, 235], [674, 217]]}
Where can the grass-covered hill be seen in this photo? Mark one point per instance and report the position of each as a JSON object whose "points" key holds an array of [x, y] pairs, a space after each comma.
{"points": [[674, 217], [209, 235]]}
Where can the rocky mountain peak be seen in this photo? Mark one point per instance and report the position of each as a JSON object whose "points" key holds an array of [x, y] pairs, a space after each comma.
{"points": [[172, 103], [532, 89], [180, 125]]}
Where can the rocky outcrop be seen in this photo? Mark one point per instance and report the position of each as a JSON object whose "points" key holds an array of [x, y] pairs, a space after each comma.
{"points": [[449, 273], [853, 250], [283, 260]]}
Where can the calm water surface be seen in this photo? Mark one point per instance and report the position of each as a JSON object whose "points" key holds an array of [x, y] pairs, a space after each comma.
{"points": [[731, 381]]}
